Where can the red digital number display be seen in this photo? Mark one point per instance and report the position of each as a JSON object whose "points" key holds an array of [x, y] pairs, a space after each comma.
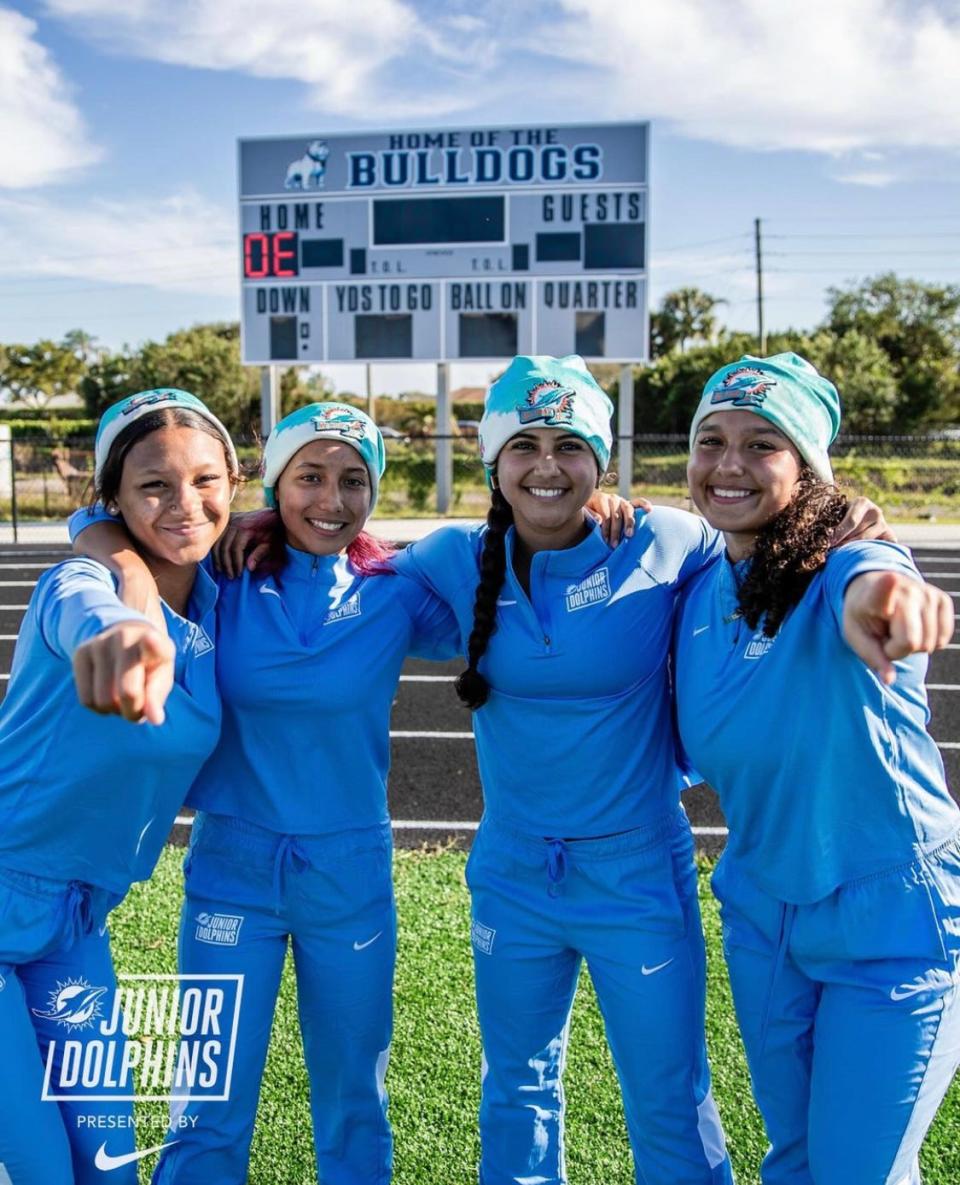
{"points": [[271, 256]]}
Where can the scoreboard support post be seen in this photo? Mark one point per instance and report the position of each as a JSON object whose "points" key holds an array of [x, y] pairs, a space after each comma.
{"points": [[625, 430], [269, 399], [444, 443]]}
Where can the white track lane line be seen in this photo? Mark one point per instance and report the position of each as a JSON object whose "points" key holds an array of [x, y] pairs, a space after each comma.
{"points": [[431, 736], [427, 678]]}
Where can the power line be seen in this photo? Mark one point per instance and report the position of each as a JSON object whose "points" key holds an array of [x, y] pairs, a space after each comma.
{"points": [[859, 235], [909, 252], [705, 243]]}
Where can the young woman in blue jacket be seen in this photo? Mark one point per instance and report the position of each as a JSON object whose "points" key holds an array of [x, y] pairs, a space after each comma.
{"points": [[75, 830], [584, 854], [292, 839], [800, 688]]}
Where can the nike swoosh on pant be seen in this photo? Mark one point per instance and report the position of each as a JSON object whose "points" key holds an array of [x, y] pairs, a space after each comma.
{"points": [[645, 970], [369, 942], [105, 1162]]}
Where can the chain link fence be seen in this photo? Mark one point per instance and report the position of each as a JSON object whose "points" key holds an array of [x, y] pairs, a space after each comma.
{"points": [[42, 480]]}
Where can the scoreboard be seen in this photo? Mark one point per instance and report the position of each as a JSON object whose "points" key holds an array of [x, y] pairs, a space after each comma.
{"points": [[470, 243]]}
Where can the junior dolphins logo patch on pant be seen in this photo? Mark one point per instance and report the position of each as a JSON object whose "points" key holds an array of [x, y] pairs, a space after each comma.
{"points": [[219, 929], [482, 936]]}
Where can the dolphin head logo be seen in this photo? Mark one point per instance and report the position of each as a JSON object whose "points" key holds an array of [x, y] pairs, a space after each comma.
{"points": [[746, 386], [74, 1004], [334, 419], [549, 401]]}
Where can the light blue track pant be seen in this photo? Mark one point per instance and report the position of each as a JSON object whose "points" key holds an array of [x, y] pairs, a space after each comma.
{"points": [[331, 897], [54, 958], [627, 904], [850, 1014]]}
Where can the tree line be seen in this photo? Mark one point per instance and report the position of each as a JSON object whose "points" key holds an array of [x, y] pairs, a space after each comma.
{"points": [[891, 345]]}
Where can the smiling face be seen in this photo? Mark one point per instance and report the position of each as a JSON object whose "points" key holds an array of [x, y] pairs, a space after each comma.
{"points": [[323, 497], [547, 475], [742, 471], [174, 495]]}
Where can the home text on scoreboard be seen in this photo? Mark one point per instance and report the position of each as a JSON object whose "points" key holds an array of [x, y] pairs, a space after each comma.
{"points": [[448, 244]]}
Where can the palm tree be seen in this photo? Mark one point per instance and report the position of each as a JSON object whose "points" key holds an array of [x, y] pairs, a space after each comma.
{"points": [[685, 315]]}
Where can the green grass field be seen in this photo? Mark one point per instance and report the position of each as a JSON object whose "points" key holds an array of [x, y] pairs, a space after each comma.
{"points": [[435, 1061]]}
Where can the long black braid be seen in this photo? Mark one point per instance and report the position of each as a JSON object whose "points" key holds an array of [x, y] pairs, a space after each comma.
{"points": [[471, 686]]}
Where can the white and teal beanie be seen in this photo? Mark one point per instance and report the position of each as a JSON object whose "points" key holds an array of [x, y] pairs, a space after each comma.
{"points": [[121, 415], [786, 390], [544, 392], [323, 421]]}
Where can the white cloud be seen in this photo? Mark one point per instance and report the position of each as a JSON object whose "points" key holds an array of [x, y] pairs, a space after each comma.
{"points": [[872, 179], [44, 138], [339, 48], [831, 76], [180, 243], [826, 75]]}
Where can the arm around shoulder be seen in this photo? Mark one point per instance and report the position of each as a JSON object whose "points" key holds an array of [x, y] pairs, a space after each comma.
{"points": [[444, 561], [106, 539]]}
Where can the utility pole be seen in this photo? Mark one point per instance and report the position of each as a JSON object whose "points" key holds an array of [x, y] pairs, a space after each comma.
{"points": [[761, 331]]}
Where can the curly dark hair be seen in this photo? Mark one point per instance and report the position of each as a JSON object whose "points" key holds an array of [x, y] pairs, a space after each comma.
{"points": [[471, 686], [789, 551]]}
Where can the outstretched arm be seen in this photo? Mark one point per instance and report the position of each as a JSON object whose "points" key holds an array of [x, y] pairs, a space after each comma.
{"points": [[888, 615], [127, 670], [110, 544]]}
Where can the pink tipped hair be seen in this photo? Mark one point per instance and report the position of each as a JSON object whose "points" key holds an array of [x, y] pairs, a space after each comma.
{"points": [[368, 554]]}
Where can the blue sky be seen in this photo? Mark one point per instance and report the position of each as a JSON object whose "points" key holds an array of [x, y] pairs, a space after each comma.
{"points": [[835, 121]]}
